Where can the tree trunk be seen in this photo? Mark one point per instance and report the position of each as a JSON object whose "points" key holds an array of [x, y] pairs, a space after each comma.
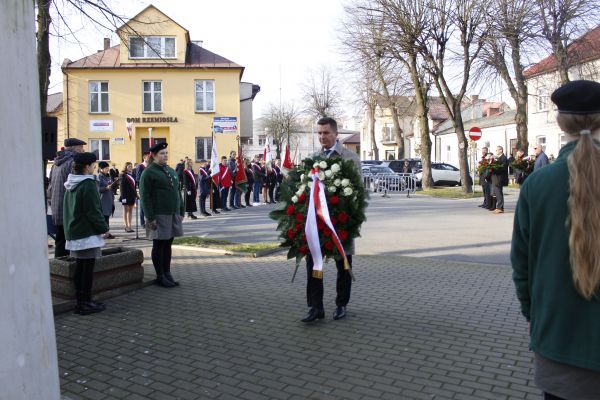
{"points": [[521, 121], [397, 132], [374, 147], [463, 158], [43, 51]]}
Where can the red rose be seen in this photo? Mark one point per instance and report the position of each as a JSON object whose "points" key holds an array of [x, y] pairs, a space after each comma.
{"points": [[299, 227], [333, 200], [329, 246], [303, 249], [299, 217], [291, 234], [334, 220], [290, 210], [303, 237], [343, 235], [327, 232], [301, 198], [342, 217], [320, 225]]}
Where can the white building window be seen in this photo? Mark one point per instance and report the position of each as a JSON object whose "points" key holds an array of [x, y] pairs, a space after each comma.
{"points": [[541, 141], [388, 134], [205, 96], [151, 47], [101, 148], [542, 99], [98, 97], [203, 148], [262, 140], [152, 96]]}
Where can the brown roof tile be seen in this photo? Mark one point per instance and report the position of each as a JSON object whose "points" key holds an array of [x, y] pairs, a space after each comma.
{"points": [[586, 48], [196, 57]]}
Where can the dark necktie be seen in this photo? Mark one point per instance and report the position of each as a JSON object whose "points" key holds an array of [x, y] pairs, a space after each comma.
{"points": [[328, 152]]}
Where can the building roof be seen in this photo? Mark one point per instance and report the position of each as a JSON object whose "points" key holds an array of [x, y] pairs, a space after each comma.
{"points": [[584, 49], [54, 102], [126, 24], [196, 57], [351, 139], [505, 118]]}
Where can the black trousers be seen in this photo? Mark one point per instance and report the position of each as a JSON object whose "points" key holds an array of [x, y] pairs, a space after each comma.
{"points": [[83, 279], [314, 286], [107, 218], [271, 190], [161, 256], [203, 197], [60, 242], [247, 195]]}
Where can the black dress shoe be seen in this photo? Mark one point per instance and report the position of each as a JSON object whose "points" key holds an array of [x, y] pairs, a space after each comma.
{"points": [[234, 207], [192, 216], [241, 206], [226, 209], [206, 214], [87, 308], [171, 279], [340, 312], [313, 314], [96, 304], [164, 282], [216, 212]]}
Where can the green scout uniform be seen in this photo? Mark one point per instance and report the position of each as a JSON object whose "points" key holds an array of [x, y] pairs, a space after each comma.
{"points": [[82, 212], [157, 195]]}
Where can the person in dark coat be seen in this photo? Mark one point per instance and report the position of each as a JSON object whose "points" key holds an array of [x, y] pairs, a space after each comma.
{"points": [[128, 195], [499, 180], [258, 181], [250, 179], [139, 169], [555, 254], [163, 205], [56, 189], [541, 159], [115, 176], [484, 181], [190, 186], [232, 165], [84, 226], [204, 180], [107, 199], [278, 178]]}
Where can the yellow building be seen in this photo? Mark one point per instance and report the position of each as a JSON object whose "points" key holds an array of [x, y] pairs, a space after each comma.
{"points": [[155, 84]]}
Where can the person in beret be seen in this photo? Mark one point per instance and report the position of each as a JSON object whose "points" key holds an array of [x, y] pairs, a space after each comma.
{"points": [[163, 207], [107, 199], [84, 226], [61, 169], [555, 253]]}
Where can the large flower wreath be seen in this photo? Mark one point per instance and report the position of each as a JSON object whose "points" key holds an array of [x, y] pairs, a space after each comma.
{"points": [[344, 211]]}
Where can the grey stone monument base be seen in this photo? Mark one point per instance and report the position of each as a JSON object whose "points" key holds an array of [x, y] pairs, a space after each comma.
{"points": [[117, 271]]}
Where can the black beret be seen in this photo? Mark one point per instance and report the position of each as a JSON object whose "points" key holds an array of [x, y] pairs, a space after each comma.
{"points": [[158, 147], [84, 158], [74, 142], [578, 97], [102, 164]]}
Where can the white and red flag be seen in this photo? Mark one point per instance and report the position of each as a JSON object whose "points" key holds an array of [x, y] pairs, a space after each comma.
{"points": [[214, 163]]}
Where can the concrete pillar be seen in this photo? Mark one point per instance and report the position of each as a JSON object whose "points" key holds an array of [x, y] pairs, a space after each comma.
{"points": [[28, 364]]}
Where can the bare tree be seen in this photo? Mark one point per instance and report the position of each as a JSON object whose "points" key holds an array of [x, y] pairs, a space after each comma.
{"points": [[282, 123], [406, 24], [457, 28], [562, 22], [511, 29], [321, 94]]}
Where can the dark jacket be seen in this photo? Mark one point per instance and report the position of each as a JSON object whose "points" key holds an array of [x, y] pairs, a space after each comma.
{"points": [[500, 176], [259, 175], [61, 169], [158, 195], [128, 192], [106, 194], [82, 213], [541, 160], [565, 327], [204, 180], [138, 173], [249, 176]]}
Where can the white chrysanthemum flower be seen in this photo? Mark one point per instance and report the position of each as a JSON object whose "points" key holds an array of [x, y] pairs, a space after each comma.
{"points": [[315, 165], [337, 182], [332, 189], [302, 177], [294, 199], [328, 173], [323, 164], [321, 175], [301, 189], [348, 191], [310, 184], [335, 168], [345, 182]]}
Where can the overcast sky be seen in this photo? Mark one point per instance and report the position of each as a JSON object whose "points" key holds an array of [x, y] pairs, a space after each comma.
{"points": [[272, 39]]}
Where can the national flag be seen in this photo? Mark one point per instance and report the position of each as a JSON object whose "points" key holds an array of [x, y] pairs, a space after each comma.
{"points": [[214, 163], [287, 162], [267, 157], [240, 176]]}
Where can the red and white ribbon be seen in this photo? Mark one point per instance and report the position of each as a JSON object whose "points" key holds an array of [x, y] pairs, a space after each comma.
{"points": [[317, 209]]}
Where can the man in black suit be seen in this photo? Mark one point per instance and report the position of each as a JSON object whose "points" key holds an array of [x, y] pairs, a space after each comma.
{"points": [[500, 179]]}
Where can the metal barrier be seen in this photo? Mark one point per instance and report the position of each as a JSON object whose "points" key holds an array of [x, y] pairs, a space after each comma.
{"points": [[394, 183]]}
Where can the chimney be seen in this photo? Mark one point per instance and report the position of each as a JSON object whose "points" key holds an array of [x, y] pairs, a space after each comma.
{"points": [[474, 97], [106, 43]]}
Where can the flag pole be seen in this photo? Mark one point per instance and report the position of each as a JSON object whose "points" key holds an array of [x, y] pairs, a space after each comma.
{"points": [[212, 141]]}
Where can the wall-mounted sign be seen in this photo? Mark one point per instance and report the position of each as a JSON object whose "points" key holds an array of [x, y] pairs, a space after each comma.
{"points": [[117, 140], [101, 125], [225, 124], [143, 120]]}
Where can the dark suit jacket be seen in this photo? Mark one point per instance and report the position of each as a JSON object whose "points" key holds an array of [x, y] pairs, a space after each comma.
{"points": [[500, 176]]}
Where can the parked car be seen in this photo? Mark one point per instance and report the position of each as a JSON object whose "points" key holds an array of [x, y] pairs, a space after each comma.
{"points": [[371, 162], [398, 165], [379, 178], [442, 174]]}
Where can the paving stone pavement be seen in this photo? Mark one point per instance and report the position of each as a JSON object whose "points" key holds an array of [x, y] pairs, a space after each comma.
{"points": [[416, 329]]}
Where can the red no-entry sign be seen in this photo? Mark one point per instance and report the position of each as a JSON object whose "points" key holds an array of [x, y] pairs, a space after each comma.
{"points": [[475, 133]]}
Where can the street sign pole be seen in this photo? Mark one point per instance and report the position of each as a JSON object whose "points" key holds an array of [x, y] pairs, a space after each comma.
{"points": [[475, 135]]}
